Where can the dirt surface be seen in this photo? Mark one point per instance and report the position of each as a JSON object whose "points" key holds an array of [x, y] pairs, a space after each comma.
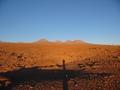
{"points": [[38, 66]]}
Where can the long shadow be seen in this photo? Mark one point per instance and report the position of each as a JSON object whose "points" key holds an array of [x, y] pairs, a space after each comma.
{"points": [[40, 75]]}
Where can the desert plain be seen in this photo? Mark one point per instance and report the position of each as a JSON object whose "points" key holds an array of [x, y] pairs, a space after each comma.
{"points": [[39, 66]]}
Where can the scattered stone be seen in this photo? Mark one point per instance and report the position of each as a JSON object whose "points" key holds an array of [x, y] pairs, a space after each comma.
{"points": [[13, 54], [115, 57], [58, 65]]}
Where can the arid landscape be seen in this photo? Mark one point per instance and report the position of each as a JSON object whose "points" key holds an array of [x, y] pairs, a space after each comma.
{"points": [[39, 66]]}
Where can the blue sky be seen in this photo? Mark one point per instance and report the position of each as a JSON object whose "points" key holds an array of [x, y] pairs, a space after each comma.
{"points": [[95, 21]]}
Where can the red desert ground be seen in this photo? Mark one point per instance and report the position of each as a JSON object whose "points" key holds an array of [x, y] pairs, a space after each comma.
{"points": [[39, 66]]}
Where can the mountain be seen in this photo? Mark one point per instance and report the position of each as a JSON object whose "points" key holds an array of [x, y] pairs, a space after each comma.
{"points": [[42, 41], [61, 42], [57, 42], [75, 42]]}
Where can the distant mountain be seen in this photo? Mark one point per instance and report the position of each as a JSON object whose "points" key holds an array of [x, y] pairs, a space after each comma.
{"points": [[75, 42], [1, 41], [60, 42], [42, 41]]}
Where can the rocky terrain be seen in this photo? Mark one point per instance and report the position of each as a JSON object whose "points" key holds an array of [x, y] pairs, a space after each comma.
{"points": [[38, 66]]}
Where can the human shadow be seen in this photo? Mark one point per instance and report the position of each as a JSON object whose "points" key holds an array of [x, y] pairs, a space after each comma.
{"points": [[39, 75]]}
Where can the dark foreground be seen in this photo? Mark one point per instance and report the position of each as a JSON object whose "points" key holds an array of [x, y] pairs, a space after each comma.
{"points": [[39, 79]]}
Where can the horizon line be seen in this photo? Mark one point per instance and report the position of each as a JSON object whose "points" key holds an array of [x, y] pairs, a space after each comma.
{"points": [[62, 41]]}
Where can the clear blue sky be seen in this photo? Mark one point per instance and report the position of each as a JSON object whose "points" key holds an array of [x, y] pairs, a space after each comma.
{"points": [[95, 21]]}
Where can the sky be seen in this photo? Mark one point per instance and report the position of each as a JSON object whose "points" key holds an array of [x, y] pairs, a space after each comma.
{"points": [[94, 21]]}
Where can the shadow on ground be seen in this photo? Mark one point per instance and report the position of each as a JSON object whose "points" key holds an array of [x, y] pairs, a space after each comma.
{"points": [[40, 75]]}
